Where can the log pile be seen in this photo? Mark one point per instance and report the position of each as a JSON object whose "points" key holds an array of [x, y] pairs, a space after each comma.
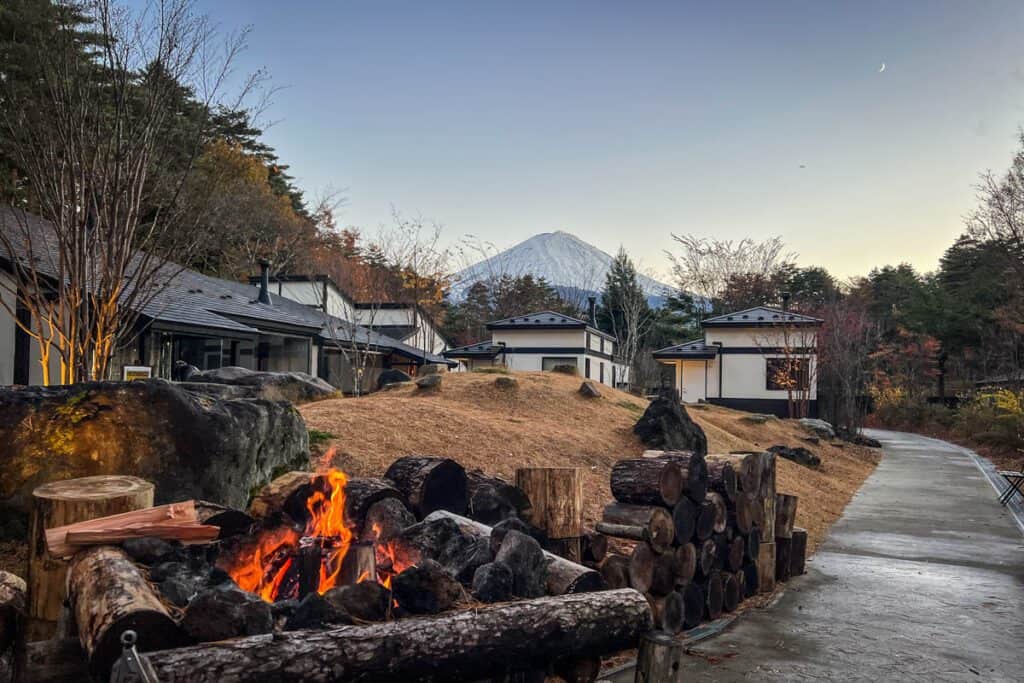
{"points": [[689, 530]]}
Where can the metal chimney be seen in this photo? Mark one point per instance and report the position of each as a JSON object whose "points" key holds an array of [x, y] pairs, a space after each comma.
{"points": [[592, 310], [264, 297]]}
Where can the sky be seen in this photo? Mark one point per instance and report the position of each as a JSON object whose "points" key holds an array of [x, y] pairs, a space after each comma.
{"points": [[625, 122]]}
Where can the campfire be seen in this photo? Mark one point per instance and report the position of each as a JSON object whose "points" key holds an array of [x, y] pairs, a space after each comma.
{"points": [[292, 557]]}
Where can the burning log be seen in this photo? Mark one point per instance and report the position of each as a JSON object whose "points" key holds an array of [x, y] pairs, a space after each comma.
{"points": [[492, 499], [647, 481], [291, 487], [430, 483], [363, 492], [556, 499], [684, 519], [640, 523], [108, 594], [694, 470], [668, 611], [563, 576], [785, 515], [615, 570], [461, 645], [641, 567], [798, 552], [385, 520], [718, 522], [230, 522], [722, 477], [66, 502], [359, 564]]}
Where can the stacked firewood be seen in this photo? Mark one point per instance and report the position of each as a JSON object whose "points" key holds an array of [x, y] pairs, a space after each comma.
{"points": [[690, 531]]}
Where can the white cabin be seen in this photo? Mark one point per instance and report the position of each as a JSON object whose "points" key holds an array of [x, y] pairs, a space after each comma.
{"points": [[754, 360]]}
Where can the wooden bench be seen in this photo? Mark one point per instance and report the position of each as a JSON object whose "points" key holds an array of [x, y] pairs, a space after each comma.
{"points": [[1015, 484]]}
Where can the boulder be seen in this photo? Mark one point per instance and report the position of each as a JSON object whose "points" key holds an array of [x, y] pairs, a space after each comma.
{"points": [[492, 582], [391, 376], [758, 418], [862, 440], [813, 440], [315, 611], [506, 383], [666, 426], [589, 389], [226, 611], [189, 445], [817, 427], [429, 382], [797, 454], [297, 387], [432, 369]]}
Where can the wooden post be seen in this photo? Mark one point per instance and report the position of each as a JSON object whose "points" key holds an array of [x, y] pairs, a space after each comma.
{"points": [[785, 515], [66, 502], [798, 552], [766, 568], [556, 499], [659, 659]]}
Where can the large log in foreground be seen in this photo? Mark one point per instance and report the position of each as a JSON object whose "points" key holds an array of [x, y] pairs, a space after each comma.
{"points": [[109, 595], [564, 576], [459, 645]]}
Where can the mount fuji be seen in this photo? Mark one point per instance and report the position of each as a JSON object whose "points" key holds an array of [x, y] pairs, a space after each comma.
{"points": [[569, 264]]}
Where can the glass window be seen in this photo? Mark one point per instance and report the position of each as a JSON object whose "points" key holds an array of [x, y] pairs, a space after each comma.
{"points": [[549, 363], [203, 352]]}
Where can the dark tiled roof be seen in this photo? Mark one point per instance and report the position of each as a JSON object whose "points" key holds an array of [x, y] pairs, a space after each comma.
{"points": [[484, 349], [545, 320], [760, 316], [400, 332], [695, 349], [194, 300]]}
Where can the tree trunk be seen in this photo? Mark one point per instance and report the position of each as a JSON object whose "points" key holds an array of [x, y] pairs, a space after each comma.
{"points": [[722, 477], [694, 470], [556, 499], [430, 483], [67, 502], [647, 481], [360, 494], [798, 552], [108, 595], [460, 645], [656, 523], [785, 515], [563, 576]]}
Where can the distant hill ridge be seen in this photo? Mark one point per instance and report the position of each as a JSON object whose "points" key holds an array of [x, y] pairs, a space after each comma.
{"points": [[567, 263]]}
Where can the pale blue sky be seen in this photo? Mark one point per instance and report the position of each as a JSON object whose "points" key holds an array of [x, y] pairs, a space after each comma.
{"points": [[624, 122]]}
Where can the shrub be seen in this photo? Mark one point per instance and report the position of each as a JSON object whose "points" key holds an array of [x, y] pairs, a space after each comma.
{"points": [[896, 407], [492, 370], [994, 417], [566, 369]]}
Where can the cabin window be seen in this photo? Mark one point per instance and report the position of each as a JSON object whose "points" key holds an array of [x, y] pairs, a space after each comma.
{"points": [[601, 367], [785, 374], [586, 372], [548, 363]]}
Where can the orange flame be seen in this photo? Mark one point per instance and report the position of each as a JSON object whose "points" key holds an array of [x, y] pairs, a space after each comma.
{"points": [[327, 522], [250, 568]]}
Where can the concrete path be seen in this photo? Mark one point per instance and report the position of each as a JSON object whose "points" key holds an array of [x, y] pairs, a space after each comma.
{"points": [[921, 580]]}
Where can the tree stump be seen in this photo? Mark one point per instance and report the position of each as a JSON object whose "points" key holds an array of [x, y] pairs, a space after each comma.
{"points": [[798, 552], [783, 547], [556, 499], [659, 659], [66, 502], [766, 568], [785, 515]]}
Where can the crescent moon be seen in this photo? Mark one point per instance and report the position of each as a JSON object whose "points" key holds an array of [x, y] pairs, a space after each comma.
{"points": [[881, 68]]}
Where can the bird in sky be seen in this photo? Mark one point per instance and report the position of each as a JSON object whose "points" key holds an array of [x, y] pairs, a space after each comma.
{"points": [[881, 68], [803, 165]]}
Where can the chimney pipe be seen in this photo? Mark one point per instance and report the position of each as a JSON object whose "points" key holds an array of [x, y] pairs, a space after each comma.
{"points": [[264, 297], [592, 310]]}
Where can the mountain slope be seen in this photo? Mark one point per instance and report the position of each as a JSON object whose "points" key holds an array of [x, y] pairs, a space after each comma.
{"points": [[564, 260]]}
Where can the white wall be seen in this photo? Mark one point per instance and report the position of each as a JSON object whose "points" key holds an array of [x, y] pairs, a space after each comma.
{"points": [[7, 328], [540, 338], [425, 338], [311, 293]]}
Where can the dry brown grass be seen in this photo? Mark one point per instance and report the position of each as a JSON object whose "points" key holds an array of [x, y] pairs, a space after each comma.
{"points": [[546, 422]]}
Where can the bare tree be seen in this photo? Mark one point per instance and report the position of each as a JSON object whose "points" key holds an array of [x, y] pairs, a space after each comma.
{"points": [[94, 138], [704, 267], [1000, 214], [844, 356]]}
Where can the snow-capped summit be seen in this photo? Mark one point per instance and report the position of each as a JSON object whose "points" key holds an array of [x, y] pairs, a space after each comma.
{"points": [[561, 258]]}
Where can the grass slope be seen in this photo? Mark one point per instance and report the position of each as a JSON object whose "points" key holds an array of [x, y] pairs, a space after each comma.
{"points": [[546, 422]]}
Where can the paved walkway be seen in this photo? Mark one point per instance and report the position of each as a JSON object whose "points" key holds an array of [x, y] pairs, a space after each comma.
{"points": [[921, 580]]}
